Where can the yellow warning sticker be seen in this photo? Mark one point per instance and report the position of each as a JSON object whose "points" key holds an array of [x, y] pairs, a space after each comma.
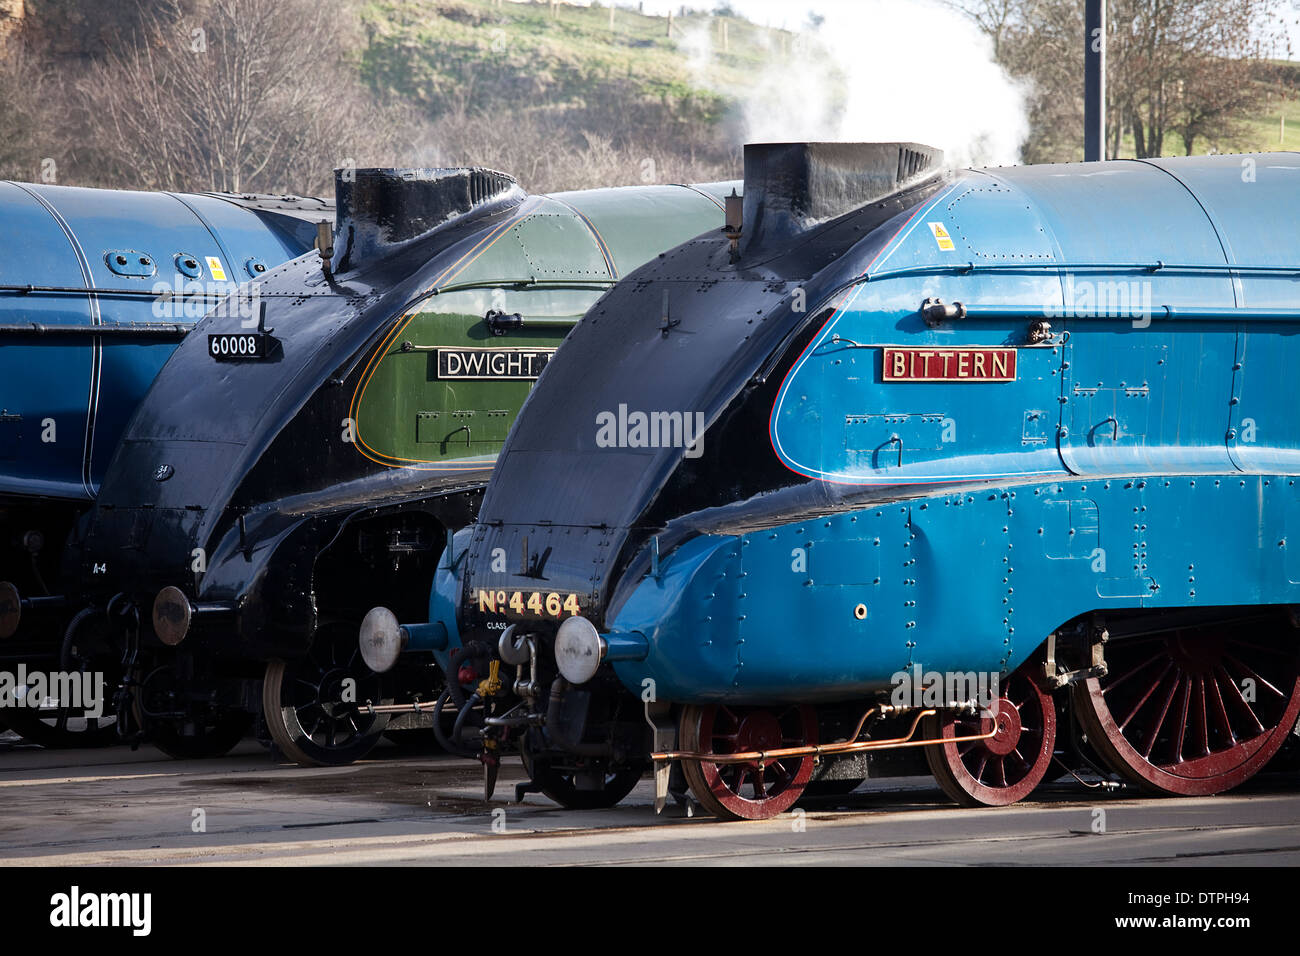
{"points": [[215, 269], [941, 236]]}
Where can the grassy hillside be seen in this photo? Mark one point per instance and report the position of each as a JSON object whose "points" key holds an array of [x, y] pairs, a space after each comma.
{"points": [[1262, 132], [566, 97], [451, 54], [1258, 132]]}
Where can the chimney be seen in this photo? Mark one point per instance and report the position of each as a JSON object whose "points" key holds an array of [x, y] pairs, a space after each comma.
{"points": [[793, 187], [382, 208]]}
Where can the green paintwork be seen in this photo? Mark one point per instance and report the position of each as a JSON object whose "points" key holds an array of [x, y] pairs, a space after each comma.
{"points": [[407, 416]]}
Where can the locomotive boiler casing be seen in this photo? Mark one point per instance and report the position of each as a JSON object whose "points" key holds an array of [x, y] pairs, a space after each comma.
{"points": [[84, 326], [97, 287], [280, 493], [1011, 397]]}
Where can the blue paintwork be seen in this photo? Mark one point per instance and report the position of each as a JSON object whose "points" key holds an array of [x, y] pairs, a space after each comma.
{"points": [[976, 580], [444, 597], [426, 637], [1057, 223], [953, 581], [71, 237], [1141, 459]]}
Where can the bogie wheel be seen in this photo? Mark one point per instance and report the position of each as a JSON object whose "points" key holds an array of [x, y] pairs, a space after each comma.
{"points": [[61, 730], [1193, 712], [303, 702], [213, 736], [181, 728], [571, 785], [1006, 767], [749, 790], [89, 655]]}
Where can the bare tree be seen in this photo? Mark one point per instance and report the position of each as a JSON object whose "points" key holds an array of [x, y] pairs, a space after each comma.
{"points": [[23, 84], [239, 95], [546, 153], [1186, 66], [1190, 68]]}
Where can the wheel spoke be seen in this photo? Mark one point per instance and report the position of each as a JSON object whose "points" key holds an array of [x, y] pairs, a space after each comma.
{"points": [[1259, 681], [1219, 712], [1145, 697], [1202, 722], [1186, 685], [1280, 651], [1159, 722], [1121, 678]]}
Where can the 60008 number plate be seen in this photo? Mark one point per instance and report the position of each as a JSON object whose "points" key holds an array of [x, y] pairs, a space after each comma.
{"points": [[237, 345]]}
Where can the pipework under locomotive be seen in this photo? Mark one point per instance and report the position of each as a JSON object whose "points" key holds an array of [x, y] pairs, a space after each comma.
{"points": [[1029, 424], [285, 472]]}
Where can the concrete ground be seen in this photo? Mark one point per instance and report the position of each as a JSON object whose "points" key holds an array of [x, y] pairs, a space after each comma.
{"points": [[115, 806]]}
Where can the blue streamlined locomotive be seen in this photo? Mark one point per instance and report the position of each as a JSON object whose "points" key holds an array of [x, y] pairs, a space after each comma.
{"points": [[96, 288], [988, 459]]}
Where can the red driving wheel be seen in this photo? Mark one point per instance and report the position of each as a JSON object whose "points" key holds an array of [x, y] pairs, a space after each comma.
{"points": [[1193, 712], [1006, 767], [747, 790]]}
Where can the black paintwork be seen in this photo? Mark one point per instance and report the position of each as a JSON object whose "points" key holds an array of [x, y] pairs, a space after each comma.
{"points": [[380, 209], [723, 335], [255, 482]]}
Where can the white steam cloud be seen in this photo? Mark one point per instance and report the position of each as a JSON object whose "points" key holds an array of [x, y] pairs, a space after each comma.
{"points": [[875, 71]]}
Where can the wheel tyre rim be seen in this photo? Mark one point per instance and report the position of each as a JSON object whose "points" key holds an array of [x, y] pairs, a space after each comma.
{"points": [[302, 713], [721, 788], [1171, 716], [220, 733], [1007, 767]]}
